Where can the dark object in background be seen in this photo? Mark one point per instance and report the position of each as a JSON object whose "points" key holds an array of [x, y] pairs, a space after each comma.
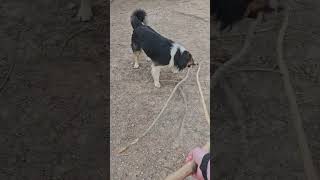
{"points": [[228, 12], [85, 10]]}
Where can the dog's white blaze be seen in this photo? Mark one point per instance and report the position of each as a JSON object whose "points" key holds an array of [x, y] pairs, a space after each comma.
{"points": [[145, 21], [174, 49]]}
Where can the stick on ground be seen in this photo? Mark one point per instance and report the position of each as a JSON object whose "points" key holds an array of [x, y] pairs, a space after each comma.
{"points": [[6, 79]]}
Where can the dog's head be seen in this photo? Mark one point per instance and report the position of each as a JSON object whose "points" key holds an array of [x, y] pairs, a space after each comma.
{"points": [[183, 60]]}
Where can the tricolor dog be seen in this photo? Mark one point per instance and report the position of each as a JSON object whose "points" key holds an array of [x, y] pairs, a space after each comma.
{"points": [[162, 51]]}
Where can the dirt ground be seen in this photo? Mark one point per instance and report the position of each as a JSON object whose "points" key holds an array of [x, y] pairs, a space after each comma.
{"points": [[135, 102], [52, 109], [263, 145]]}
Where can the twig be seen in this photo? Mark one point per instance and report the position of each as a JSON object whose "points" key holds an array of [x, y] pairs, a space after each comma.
{"points": [[191, 15], [6, 80], [168, 80], [296, 116], [13, 59], [254, 70], [157, 118]]}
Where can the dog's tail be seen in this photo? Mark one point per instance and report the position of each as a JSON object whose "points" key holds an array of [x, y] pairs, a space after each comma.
{"points": [[138, 18]]}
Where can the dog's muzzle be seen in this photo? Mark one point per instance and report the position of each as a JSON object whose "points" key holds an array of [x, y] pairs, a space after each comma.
{"points": [[193, 64]]}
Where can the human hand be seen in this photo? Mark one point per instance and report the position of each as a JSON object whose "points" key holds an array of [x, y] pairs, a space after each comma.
{"points": [[196, 155]]}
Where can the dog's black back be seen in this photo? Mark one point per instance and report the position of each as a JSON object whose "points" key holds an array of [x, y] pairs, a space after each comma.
{"points": [[153, 44]]}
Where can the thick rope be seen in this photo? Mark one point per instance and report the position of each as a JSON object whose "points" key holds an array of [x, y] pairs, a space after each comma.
{"points": [[191, 166], [202, 98], [157, 118]]}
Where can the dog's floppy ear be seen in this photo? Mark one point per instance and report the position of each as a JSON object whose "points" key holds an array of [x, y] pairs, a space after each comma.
{"points": [[181, 60]]}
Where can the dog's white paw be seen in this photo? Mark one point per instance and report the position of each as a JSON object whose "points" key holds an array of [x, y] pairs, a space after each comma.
{"points": [[174, 70], [135, 66], [157, 85], [148, 59]]}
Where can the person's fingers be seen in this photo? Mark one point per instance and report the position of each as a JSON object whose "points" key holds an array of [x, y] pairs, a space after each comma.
{"points": [[197, 155], [189, 157], [196, 176], [199, 174]]}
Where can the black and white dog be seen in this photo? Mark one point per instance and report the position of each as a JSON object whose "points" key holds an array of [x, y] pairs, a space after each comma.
{"points": [[162, 51]]}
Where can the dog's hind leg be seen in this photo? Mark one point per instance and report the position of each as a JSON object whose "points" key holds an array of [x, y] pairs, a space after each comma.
{"points": [[155, 71], [136, 49], [136, 59]]}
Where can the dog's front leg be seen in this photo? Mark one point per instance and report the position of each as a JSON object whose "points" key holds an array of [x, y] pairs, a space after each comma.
{"points": [[148, 59], [136, 59], [174, 70], [155, 71]]}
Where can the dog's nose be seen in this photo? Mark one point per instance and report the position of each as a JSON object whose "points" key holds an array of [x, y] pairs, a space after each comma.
{"points": [[193, 64]]}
